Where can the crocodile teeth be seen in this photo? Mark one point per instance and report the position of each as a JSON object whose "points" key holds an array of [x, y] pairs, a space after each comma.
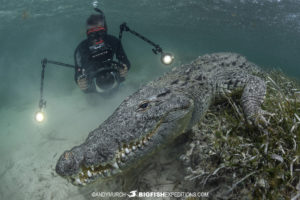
{"points": [[115, 165], [105, 173], [100, 174], [89, 173], [127, 151], [78, 181], [123, 155]]}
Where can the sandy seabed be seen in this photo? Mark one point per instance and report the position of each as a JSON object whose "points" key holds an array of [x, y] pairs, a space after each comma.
{"points": [[29, 151]]}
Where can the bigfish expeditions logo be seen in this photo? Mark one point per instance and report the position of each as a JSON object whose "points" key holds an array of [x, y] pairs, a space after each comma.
{"points": [[150, 195], [132, 194]]}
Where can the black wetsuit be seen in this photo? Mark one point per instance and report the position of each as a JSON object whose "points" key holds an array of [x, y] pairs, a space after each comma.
{"points": [[84, 58]]}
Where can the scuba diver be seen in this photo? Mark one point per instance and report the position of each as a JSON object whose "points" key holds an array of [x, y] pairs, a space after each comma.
{"points": [[95, 69]]}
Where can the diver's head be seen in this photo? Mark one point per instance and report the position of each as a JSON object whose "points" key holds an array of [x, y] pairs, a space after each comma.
{"points": [[96, 27]]}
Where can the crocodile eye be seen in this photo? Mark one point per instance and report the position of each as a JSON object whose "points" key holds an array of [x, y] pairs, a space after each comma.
{"points": [[144, 105]]}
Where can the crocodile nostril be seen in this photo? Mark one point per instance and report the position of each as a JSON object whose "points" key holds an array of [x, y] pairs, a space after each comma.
{"points": [[163, 94], [67, 155]]}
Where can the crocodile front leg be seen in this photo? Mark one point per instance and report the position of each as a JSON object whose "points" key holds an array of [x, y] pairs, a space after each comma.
{"points": [[253, 96], [252, 89]]}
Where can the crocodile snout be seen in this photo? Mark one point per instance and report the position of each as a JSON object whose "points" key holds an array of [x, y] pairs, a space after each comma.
{"points": [[69, 162]]}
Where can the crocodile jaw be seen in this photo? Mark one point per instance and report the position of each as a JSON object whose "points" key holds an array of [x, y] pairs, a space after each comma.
{"points": [[131, 155]]}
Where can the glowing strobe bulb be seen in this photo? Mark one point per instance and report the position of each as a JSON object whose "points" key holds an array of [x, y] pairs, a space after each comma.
{"points": [[39, 116], [167, 58]]}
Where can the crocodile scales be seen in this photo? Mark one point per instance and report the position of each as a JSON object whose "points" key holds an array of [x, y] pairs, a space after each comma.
{"points": [[160, 111]]}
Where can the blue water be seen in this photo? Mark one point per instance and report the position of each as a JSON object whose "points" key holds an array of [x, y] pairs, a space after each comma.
{"points": [[267, 32]]}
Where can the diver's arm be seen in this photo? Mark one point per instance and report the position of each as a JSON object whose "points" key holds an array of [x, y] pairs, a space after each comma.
{"points": [[80, 78], [78, 64], [121, 55]]}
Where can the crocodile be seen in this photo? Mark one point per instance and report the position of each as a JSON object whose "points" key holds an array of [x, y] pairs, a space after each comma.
{"points": [[160, 111]]}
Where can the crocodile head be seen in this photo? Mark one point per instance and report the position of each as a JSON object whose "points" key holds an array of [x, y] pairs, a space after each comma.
{"points": [[144, 121]]}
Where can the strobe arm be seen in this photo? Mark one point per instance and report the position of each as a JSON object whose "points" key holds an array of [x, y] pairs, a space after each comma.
{"points": [[42, 102], [45, 61], [123, 27]]}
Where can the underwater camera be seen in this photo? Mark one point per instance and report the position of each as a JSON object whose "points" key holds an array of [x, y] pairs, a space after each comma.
{"points": [[106, 79]]}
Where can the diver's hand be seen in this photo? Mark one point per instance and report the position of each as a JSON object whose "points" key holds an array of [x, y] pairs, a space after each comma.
{"points": [[123, 71], [83, 83]]}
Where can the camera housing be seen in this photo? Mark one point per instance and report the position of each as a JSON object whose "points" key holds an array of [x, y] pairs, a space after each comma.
{"points": [[106, 79]]}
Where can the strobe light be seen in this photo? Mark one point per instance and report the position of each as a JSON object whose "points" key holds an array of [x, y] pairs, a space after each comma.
{"points": [[167, 58], [40, 116]]}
